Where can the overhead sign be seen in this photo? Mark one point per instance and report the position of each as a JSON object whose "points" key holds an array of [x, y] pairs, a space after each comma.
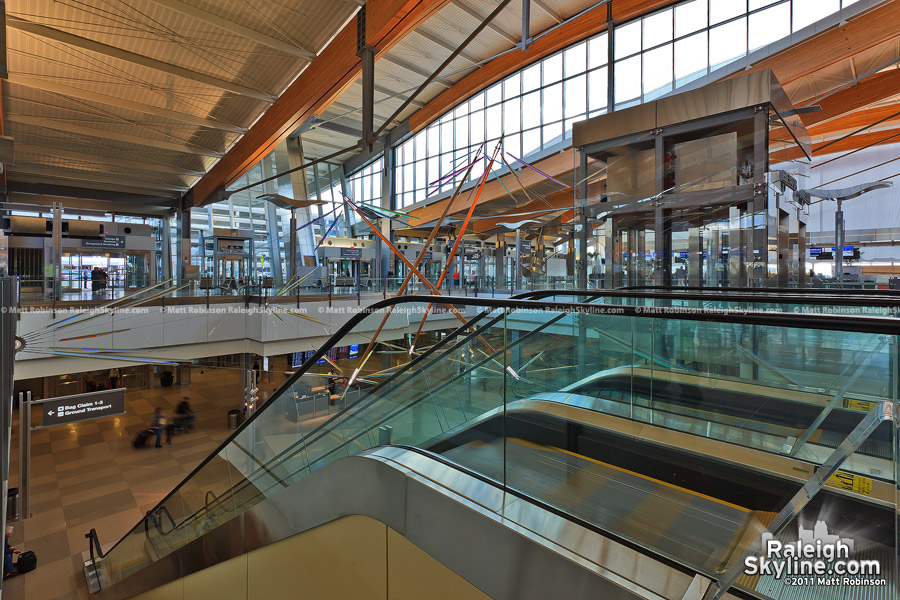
{"points": [[82, 407], [351, 252], [108, 242], [815, 251], [227, 246]]}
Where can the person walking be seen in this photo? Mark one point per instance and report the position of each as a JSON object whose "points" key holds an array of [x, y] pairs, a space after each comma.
{"points": [[114, 376], [158, 425]]}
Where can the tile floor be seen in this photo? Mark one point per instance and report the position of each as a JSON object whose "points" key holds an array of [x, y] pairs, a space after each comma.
{"points": [[87, 475]]}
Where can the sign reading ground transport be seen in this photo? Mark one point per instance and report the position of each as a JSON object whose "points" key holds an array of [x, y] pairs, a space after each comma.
{"points": [[82, 407]]}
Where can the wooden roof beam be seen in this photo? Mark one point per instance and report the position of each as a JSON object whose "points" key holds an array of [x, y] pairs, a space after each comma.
{"points": [[873, 138], [868, 91], [834, 45]]}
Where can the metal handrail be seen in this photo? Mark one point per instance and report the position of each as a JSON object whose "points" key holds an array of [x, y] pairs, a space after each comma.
{"points": [[884, 411], [861, 324], [96, 552], [763, 290]]}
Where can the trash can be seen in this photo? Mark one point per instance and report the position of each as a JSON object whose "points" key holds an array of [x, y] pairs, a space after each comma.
{"points": [[234, 419], [12, 504]]}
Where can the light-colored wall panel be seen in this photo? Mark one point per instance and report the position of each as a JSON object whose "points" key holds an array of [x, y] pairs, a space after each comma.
{"points": [[413, 574], [169, 591], [342, 559], [224, 581]]}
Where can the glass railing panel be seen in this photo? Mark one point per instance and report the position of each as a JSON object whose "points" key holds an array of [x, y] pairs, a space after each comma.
{"points": [[680, 374], [849, 522]]}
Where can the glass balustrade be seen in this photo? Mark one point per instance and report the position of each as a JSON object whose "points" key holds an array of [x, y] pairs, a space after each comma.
{"points": [[686, 433]]}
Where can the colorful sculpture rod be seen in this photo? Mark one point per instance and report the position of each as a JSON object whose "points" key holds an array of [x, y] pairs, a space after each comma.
{"points": [[374, 213], [414, 270], [421, 254], [450, 175], [459, 238], [536, 170], [109, 304], [516, 176], [387, 211], [290, 286], [327, 232], [43, 334], [317, 219]]}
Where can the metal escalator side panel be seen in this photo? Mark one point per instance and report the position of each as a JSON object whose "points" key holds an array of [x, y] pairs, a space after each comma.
{"points": [[519, 551]]}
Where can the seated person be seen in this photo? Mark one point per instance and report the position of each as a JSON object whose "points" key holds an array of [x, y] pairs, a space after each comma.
{"points": [[184, 415], [8, 553]]}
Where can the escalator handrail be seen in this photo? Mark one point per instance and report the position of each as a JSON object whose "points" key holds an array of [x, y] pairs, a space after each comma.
{"points": [[544, 505], [806, 290], [726, 295], [860, 324], [277, 393], [323, 429]]}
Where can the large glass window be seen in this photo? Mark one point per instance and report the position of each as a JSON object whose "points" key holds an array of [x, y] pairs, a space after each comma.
{"points": [[532, 109], [654, 55]]}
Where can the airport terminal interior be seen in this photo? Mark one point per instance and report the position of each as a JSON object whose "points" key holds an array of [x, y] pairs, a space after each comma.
{"points": [[408, 299]]}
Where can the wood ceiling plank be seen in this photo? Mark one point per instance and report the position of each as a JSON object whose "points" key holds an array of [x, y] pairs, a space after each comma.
{"points": [[885, 136], [335, 68], [868, 91]]}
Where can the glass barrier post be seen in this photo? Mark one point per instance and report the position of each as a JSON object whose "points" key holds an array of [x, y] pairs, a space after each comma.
{"points": [[884, 411]]}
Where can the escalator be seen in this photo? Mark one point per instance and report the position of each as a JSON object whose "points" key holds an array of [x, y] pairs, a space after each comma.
{"points": [[471, 425]]}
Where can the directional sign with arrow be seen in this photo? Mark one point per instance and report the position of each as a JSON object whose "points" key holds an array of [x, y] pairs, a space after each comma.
{"points": [[82, 407]]}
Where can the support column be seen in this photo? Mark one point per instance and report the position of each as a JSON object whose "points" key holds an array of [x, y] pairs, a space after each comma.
{"points": [[9, 298], [387, 201], [695, 257], [500, 260], [612, 269], [166, 248], [838, 241], [580, 270], [801, 249], [783, 247], [292, 245], [183, 234], [57, 252], [759, 246], [273, 235], [662, 237]]}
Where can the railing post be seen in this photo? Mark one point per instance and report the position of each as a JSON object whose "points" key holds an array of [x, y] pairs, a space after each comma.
{"points": [[884, 411]]}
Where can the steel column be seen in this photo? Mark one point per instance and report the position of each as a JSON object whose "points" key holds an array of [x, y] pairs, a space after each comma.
{"points": [[9, 299]]}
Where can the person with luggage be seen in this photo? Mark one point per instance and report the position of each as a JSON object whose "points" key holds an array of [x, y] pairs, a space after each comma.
{"points": [[8, 554], [184, 415], [27, 560], [158, 425]]}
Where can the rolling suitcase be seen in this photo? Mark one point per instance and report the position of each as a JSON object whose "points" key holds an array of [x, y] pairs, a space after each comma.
{"points": [[141, 439]]}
